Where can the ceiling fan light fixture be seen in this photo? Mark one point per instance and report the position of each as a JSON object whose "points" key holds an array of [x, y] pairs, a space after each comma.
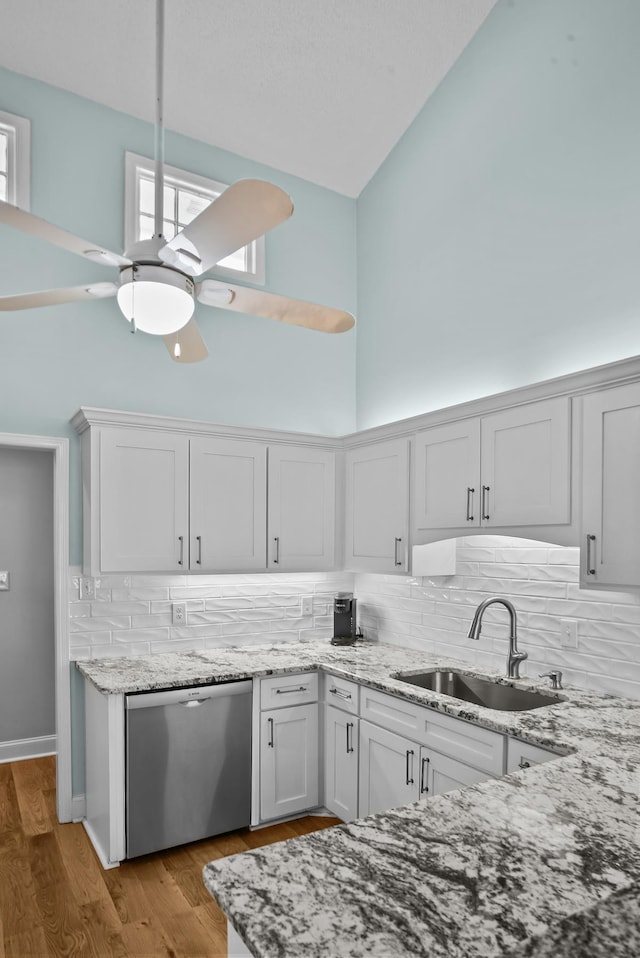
{"points": [[160, 300]]}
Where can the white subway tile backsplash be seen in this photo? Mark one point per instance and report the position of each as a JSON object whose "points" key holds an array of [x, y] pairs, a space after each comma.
{"points": [[542, 582]]}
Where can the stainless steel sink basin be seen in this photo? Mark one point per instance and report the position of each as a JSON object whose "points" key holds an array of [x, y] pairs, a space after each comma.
{"points": [[491, 695]]}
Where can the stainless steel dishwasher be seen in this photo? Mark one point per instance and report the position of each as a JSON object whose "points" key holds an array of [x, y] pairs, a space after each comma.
{"points": [[188, 764]]}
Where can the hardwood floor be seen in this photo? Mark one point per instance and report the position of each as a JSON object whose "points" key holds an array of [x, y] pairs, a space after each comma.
{"points": [[56, 899]]}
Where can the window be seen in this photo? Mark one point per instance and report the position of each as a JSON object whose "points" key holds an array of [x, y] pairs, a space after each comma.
{"points": [[185, 195], [15, 159]]}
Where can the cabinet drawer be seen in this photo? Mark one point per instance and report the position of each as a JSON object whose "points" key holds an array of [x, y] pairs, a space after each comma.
{"points": [[464, 741], [341, 693], [523, 755], [460, 740], [279, 691]]}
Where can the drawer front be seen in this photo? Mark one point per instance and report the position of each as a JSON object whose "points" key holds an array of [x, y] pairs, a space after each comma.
{"points": [[464, 741], [279, 691], [341, 693], [460, 740], [391, 712], [523, 755]]}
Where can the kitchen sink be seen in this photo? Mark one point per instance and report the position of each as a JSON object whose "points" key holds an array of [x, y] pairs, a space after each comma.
{"points": [[469, 688]]}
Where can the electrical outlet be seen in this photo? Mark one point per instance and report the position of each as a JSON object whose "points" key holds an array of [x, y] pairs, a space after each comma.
{"points": [[306, 605], [179, 613], [87, 589], [569, 633]]}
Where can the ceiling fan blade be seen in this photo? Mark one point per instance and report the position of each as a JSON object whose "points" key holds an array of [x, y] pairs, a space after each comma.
{"points": [[54, 297], [187, 345], [28, 223], [242, 299], [241, 214]]}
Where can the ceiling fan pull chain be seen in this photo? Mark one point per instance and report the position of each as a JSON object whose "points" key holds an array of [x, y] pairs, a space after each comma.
{"points": [[159, 131]]}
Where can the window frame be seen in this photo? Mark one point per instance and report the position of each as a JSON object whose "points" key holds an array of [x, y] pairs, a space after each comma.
{"points": [[135, 164], [18, 132]]}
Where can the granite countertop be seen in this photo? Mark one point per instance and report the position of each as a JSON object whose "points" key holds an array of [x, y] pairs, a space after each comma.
{"points": [[542, 862]]}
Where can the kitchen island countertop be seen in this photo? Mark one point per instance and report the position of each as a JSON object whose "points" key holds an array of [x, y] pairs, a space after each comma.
{"points": [[542, 862]]}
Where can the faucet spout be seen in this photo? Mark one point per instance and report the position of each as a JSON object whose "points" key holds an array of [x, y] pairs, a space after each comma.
{"points": [[514, 657]]}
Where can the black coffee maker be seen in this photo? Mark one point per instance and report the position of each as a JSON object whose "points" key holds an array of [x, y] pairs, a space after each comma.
{"points": [[344, 619]]}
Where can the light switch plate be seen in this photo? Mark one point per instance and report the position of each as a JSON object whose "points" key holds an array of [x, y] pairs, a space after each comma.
{"points": [[4, 582], [306, 606]]}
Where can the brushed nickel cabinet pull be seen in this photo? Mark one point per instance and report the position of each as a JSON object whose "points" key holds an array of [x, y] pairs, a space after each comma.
{"points": [[590, 568], [397, 561], [470, 492], [276, 549], [199, 541], [343, 695], [270, 742], [424, 784], [485, 513], [181, 541], [409, 776], [301, 688], [349, 745]]}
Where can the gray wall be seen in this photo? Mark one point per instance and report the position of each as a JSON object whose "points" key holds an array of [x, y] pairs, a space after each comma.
{"points": [[27, 673]]}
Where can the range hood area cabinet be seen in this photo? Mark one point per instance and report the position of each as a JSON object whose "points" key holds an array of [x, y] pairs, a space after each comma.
{"points": [[509, 470], [165, 501]]}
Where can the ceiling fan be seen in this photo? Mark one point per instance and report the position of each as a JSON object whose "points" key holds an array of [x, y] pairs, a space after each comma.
{"points": [[160, 281]]}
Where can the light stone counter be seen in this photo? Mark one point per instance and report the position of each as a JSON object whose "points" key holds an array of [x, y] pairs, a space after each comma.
{"points": [[544, 862]]}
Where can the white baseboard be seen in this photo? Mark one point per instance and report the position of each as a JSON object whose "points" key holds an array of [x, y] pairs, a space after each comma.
{"points": [[78, 808], [27, 748]]}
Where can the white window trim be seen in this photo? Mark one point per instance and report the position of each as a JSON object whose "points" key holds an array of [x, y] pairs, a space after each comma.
{"points": [[135, 162], [18, 129]]}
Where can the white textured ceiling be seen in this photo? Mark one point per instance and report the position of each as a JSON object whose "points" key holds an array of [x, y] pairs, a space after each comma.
{"points": [[322, 89]]}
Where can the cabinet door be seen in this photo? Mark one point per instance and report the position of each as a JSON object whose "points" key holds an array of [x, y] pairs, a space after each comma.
{"points": [[610, 483], [228, 505], [377, 514], [389, 770], [302, 489], [447, 476], [341, 763], [144, 501], [440, 774], [523, 755], [526, 465], [288, 761]]}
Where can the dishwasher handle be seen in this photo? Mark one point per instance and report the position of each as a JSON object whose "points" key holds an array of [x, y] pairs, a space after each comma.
{"points": [[196, 695]]}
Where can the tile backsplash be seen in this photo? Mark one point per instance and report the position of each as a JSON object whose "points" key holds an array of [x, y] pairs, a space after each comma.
{"points": [[542, 581], [131, 615]]}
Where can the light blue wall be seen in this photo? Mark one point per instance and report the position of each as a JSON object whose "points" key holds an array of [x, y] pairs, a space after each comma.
{"points": [[259, 372], [498, 245]]}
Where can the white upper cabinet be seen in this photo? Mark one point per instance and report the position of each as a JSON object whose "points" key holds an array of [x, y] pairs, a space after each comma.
{"points": [[447, 476], [142, 523], [526, 465], [377, 507], [610, 527], [172, 501], [510, 469], [228, 505], [302, 489]]}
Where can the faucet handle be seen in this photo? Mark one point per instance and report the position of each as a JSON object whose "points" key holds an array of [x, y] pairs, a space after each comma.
{"points": [[556, 678]]}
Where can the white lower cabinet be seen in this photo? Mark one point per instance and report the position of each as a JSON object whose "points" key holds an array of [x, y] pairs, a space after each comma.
{"points": [[522, 755], [341, 747], [389, 773], [394, 770], [286, 780]]}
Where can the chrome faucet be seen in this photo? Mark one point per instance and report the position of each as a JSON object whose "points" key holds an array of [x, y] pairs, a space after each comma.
{"points": [[514, 658]]}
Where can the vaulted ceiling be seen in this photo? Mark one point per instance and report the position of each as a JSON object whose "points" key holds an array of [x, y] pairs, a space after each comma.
{"points": [[322, 89]]}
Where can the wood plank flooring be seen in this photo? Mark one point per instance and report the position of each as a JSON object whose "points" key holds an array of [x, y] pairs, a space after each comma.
{"points": [[57, 900]]}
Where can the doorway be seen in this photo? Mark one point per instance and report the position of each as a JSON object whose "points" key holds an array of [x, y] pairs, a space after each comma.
{"points": [[36, 470]]}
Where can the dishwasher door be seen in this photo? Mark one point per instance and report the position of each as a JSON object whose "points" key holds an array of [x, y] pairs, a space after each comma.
{"points": [[188, 770]]}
